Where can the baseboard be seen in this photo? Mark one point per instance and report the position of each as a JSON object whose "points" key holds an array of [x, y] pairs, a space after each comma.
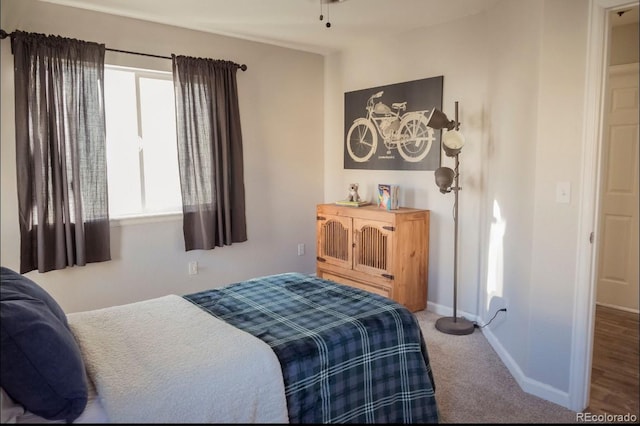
{"points": [[447, 312], [533, 387], [528, 385]]}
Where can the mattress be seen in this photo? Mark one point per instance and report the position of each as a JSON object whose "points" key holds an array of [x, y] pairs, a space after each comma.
{"points": [[345, 355]]}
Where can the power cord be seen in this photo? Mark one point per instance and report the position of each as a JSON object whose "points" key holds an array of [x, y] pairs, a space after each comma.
{"points": [[475, 324]]}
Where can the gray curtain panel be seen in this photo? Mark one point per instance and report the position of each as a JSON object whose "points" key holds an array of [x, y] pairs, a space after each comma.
{"points": [[60, 151], [209, 152]]}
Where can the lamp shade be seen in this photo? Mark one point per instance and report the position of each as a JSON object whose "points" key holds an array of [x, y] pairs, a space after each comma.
{"points": [[444, 178], [439, 120], [453, 141]]}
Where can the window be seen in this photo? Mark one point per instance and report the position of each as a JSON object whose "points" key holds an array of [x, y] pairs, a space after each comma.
{"points": [[142, 153]]}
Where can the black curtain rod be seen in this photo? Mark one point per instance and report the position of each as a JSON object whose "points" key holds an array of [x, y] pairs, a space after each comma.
{"points": [[4, 34]]}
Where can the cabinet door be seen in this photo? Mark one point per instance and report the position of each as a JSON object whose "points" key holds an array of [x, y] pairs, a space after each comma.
{"points": [[373, 247], [335, 240]]}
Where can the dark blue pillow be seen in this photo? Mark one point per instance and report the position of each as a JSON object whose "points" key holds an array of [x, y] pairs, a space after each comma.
{"points": [[41, 366], [24, 286]]}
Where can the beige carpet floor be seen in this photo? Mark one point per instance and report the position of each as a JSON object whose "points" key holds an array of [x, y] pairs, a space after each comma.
{"points": [[474, 386]]}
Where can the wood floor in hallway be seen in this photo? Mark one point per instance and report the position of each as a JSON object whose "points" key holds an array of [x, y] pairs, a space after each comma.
{"points": [[615, 381]]}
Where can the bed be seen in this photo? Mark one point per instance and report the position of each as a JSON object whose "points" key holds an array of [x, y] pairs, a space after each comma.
{"points": [[284, 348]]}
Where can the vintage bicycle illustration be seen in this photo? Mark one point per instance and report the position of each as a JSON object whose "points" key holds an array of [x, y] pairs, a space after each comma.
{"points": [[408, 132]]}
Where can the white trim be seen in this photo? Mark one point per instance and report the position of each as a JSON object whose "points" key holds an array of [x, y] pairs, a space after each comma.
{"points": [[447, 311], [167, 75], [584, 308], [528, 385], [147, 218], [533, 387]]}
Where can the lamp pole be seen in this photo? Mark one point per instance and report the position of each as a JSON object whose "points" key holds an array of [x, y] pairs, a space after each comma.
{"points": [[455, 219], [455, 239], [455, 325]]}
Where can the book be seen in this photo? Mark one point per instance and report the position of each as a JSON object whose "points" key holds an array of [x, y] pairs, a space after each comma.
{"points": [[388, 196], [352, 203]]}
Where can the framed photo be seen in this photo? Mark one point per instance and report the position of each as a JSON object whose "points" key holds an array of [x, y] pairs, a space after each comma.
{"points": [[386, 127], [388, 196]]}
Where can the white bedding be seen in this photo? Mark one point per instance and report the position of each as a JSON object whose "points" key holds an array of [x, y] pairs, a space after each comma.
{"points": [[165, 360]]}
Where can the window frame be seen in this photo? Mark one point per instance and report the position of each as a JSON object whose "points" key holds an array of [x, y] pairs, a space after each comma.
{"points": [[146, 215]]}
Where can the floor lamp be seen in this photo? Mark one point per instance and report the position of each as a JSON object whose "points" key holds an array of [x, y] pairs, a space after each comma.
{"points": [[452, 142]]}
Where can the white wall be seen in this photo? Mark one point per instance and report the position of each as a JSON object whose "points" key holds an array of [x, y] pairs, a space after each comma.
{"points": [[558, 158], [282, 159], [509, 166], [416, 55], [518, 71]]}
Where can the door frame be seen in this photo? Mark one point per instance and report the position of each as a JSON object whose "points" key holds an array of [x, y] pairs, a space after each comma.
{"points": [[589, 209]]}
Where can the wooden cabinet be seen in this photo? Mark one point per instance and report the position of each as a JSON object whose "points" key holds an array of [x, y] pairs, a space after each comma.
{"points": [[384, 252]]}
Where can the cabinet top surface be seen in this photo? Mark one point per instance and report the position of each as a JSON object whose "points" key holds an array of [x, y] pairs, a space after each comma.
{"points": [[373, 207]]}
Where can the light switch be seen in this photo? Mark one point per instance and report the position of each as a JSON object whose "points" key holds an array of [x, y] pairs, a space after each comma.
{"points": [[563, 192]]}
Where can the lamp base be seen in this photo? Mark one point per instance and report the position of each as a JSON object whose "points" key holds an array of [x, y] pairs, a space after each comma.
{"points": [[458, 326]]}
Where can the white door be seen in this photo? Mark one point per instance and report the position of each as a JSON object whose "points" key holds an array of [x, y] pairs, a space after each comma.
{"points": [[618, 252]]}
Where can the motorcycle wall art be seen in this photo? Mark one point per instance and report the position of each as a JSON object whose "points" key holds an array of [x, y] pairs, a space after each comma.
{"points": [[386, 126]]}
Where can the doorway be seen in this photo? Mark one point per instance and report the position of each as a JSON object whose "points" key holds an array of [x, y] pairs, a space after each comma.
{"points": [[614, 386], [588, 224], [617, 272]]}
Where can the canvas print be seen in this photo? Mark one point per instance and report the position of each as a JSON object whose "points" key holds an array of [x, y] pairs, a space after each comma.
{"points": [[386, 127]]}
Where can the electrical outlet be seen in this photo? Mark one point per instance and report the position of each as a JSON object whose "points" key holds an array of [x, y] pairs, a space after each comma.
{"points": [[300, 249], [193, 268]]}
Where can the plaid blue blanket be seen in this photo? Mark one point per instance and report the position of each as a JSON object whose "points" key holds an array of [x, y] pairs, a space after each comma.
{"points": [[346, 355]]}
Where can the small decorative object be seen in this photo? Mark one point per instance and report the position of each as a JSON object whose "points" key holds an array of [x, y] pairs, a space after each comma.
{"points": [[388, 196], [352, 203], [353, 192], [353, 200]]}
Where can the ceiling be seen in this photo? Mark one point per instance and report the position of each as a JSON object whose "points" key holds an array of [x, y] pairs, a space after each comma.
{"points": [[293, 23], [624, 16]]}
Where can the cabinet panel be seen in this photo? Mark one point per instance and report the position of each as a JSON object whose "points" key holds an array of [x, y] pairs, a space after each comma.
{"points": [[382, 291], [372, 247], [335, 240]]}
